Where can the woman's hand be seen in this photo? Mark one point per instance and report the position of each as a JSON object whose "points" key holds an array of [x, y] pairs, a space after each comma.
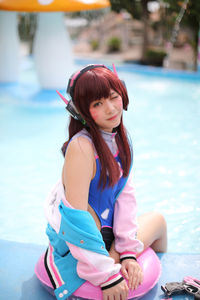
{"points": [[132, 271], [117, 292]]}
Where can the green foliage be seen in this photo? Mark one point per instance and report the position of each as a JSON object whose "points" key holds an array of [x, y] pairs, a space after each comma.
{"points": [[94, 44], [154, 54], [155, 57], [114, 44], [132, 6]]}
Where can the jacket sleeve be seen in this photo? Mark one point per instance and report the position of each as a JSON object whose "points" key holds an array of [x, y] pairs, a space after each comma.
{"points": [[94, 267], [78, 229], [125, 225]]}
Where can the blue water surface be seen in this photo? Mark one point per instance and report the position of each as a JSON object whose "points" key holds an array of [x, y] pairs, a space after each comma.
{"points": [[163, 120]]}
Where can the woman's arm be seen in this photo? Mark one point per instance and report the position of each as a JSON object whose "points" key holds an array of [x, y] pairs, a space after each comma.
{"points": [[78, 171], [125, 225], [125, 231]]}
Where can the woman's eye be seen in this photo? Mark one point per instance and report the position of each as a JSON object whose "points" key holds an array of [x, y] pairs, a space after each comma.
{"points": [[114, 97], [97, 104]]}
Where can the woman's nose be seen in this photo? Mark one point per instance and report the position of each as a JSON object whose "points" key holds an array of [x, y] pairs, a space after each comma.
{"points": [[109, 106]]}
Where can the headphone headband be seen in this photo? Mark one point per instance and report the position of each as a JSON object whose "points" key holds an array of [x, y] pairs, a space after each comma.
{"points": [[75, 76]]}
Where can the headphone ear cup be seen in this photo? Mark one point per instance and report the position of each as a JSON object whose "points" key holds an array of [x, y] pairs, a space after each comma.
{"points": [[124, 84], [74, 113]]}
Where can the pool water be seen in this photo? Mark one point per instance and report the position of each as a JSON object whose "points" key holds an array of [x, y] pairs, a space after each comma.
{"points": [[164, 122]]}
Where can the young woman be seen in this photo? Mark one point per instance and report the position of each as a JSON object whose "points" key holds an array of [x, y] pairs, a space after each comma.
{"points": [[92, 228]]}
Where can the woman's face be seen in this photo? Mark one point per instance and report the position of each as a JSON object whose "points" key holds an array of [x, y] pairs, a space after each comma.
{"points": [[107, 112]]}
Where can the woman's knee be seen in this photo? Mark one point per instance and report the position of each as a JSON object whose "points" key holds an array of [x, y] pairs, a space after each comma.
{"points": [[153, 231], [153, 218], [160, 226], [159, 218], [160, 244]]}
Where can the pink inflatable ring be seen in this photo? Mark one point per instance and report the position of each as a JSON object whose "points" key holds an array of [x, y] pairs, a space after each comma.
{"points": [[148, 260]]}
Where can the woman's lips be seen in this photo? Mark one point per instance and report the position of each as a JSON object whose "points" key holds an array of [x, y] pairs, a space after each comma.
{"points": [[112, 118]]}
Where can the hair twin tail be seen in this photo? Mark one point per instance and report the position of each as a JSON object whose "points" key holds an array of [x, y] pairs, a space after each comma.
{"points": [[125, 149]]}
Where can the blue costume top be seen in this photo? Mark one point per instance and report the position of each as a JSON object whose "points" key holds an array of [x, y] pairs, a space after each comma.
{"points": [[103, 201]]}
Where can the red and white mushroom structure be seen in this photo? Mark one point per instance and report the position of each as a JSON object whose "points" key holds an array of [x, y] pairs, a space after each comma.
{"points": [[52, 50]]}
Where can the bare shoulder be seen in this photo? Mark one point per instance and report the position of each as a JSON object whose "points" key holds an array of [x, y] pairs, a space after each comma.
{"points": [[80, 147]]}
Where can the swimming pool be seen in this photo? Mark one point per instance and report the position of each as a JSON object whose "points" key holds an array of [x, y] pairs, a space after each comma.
{"points": [[164, 122]]}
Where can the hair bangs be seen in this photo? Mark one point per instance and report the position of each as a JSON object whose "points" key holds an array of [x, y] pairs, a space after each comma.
{"points": [[91, 87]]}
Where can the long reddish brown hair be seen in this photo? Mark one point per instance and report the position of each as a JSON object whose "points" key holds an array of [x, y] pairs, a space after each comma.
{"points": [[93, 85]]}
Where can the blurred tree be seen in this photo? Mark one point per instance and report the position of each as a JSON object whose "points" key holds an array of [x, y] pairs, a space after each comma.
{"points": [[27, 27], [139, 10], [89, 15], [191, 18]]}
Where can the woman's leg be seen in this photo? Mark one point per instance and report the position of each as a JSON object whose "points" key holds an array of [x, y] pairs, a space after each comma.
{"points": [[152, 231]]}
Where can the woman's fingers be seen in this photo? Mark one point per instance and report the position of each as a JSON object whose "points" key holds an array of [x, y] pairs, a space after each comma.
{"points": [[117, 292], [137, 278], [124, 273], [135, 281], [132, 271]]}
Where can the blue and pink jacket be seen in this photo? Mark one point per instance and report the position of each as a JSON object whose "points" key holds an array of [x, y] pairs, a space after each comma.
{"points": [[77, 252]]}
